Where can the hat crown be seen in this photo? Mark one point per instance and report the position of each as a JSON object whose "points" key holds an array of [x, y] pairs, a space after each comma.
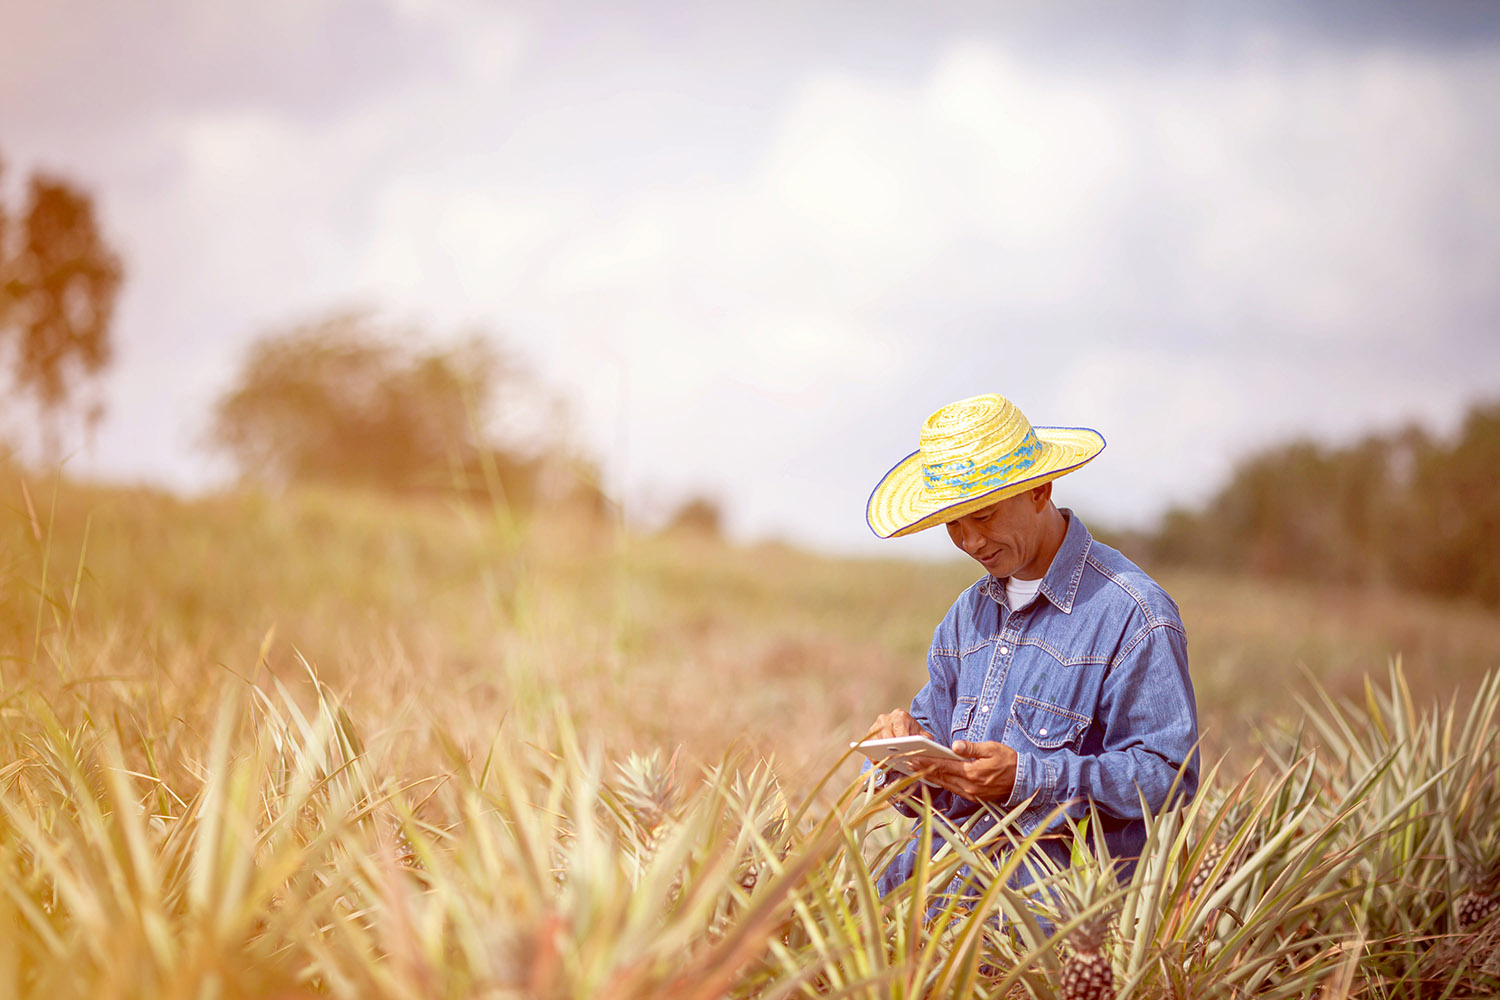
{"points": [[975, 445]]}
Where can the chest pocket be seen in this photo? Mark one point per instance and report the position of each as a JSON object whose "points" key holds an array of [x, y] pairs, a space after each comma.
{"points": [[1045, 726], [963, 714]]}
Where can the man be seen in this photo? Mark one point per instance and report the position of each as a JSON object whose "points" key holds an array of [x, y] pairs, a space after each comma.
{"points": [[1060, 677]]}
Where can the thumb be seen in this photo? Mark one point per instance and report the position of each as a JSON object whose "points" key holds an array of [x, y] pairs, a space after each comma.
{"points": [[963, 748]]}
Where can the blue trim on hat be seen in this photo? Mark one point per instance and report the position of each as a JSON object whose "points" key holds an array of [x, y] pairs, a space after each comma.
{"points": [[962, 472]]}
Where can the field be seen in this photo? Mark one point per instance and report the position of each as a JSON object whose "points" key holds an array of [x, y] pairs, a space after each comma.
{"points": [[334, 744]]}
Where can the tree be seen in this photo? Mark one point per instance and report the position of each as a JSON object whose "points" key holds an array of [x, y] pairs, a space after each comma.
{"points": [[1402, 508], [348, 400], [1454, 513], [342, 400], [700, 515], [58, 283]]}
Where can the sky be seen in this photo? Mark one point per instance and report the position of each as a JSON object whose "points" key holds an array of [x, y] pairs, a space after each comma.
{"points": [[752, 246]]}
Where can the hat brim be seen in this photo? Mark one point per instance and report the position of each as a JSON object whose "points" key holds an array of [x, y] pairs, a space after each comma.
{"points": [[899, 504]]}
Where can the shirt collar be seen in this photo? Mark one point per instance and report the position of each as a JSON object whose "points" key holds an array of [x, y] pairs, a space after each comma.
{"points": [[1060, 583]]}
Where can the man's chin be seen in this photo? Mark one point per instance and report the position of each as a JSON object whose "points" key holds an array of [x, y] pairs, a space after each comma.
{"points": [[996, 568]]}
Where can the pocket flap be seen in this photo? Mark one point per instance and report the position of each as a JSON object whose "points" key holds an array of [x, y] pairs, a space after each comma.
{"points": [[1047, 726], [963, 713]]}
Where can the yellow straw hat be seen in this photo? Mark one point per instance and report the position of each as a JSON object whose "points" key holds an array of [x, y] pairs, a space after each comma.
{"points": [[974, 453]]}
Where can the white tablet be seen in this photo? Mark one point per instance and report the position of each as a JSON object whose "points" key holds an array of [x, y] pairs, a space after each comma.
{"points": [[895, 751]]}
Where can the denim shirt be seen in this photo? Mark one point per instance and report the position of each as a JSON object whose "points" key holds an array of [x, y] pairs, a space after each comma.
{"points": [[1088, 683]]}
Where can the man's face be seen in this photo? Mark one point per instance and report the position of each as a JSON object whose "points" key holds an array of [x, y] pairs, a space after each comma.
{"points": [[1004, 537]]}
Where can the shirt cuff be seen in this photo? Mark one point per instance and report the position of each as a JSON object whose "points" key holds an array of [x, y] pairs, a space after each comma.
{"points": [[1027, 781]]}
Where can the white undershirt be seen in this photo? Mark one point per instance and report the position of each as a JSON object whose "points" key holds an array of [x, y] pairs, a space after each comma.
{"points": [[1018, 593]]}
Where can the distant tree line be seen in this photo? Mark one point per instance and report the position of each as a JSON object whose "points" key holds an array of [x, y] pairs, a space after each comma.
{"points": [[1403, 509]]}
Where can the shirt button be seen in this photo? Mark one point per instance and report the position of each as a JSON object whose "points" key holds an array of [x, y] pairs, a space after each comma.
{"points": [[1004, 650], [1041, 732], [984, 708]]}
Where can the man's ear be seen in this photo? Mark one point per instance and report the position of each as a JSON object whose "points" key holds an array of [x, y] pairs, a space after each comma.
{"points": [[1041, 496]]}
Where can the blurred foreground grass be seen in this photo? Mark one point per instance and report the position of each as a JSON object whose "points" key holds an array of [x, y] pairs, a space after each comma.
{"points": [[335, 745]]}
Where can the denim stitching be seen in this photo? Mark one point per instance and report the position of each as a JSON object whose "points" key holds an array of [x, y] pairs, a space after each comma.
{"points": [[1140, 600], [1088, 545], [1073, 738], [998, 683], [1059, 657], [1136, 640], [1065, 604], [1048, 706], [1017, 789], [963, 710]]}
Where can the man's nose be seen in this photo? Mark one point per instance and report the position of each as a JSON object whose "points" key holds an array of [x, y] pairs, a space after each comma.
{"points": [[969, 537]]}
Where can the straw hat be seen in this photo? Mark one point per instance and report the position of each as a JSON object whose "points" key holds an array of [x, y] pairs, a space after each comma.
{"points": [[974, 453]]}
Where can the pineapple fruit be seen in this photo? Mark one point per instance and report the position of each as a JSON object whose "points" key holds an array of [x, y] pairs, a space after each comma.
{"points": [[1205, 868], [1087, 975], [1480, 898], [1224, 828], [1474, 909]]}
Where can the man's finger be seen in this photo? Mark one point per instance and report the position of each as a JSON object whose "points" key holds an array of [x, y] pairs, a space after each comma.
{"points": [[948, 782], [891, 724], [938, 766], [962, 786], [976, 751], [895, 723]]}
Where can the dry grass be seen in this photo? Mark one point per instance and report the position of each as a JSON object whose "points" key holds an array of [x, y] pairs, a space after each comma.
{"points": [[415, 611], [231, 726]]}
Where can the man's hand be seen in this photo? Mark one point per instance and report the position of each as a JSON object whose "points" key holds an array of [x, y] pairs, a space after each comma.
{"points": [[897, 723], [987, 773]]}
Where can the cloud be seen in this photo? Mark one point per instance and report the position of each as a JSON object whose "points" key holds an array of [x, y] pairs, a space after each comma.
{"points": [[1196, 258], [1195, 255]]}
